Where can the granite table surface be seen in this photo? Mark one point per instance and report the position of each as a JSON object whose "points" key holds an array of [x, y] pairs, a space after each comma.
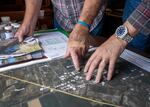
{"points": [[57, 84]]}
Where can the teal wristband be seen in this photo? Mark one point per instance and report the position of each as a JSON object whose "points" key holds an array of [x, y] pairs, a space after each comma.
{"points": [[84, 24]]}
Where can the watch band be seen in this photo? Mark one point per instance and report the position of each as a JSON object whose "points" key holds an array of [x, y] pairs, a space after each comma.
{"points": [[127, 38]]}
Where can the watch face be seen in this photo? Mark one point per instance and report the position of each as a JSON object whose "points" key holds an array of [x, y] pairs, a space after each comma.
{"points": [[121, 31]]}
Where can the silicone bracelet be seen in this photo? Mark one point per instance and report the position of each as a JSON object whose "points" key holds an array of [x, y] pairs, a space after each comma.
{"points": [[84, 24]]}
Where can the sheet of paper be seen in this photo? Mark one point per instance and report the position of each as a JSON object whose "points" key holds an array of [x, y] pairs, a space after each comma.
{"points": [[54, 44], [136, 59], [20, 65]]}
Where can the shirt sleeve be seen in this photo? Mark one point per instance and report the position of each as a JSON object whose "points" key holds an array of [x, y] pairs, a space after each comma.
{"points": [[140, 18]]}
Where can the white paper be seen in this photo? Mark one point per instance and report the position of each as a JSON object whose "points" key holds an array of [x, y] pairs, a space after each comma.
{"points": [[54, 44], [11, 67], [136, 59]]}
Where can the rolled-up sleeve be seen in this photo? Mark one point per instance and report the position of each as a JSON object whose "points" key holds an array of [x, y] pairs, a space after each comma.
{"points": [[140, 18]]}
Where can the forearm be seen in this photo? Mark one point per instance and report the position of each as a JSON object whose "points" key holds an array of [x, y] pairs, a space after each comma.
{"points": [[32, 11], [131, 29], [90, 10], [140, 18], [139, 21]]}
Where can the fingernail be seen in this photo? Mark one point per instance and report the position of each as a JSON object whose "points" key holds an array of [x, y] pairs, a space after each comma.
{"points": [[78, 69], [87, 78], [85, 70], [96, 81], [19, 40], [15, 35]]}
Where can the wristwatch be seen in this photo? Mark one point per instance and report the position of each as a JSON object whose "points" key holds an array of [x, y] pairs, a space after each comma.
{"points": [[122, 33]]}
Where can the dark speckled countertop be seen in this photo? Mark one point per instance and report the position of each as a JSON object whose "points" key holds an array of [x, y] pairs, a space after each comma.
{"points": [[30, 86]]}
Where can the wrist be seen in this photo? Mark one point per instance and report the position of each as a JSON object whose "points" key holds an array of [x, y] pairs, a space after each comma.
{"points": [[122, 33], [81, 28], [84, 23], [121, 42], [26, 23]]}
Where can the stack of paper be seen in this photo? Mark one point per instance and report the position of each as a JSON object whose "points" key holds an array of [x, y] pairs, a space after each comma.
{"points": [[54, 45]]}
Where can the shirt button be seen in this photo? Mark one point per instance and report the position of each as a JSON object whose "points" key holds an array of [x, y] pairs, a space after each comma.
{"points": [[67, 7]]}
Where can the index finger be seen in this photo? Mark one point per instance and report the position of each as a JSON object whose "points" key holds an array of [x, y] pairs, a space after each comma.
{"points": [[75, 59], [19, 35]]}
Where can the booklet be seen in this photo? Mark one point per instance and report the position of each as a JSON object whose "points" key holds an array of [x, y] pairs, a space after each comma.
{"points": [[19, 52]]}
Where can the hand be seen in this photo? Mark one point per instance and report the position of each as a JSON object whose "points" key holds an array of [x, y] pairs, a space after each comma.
{"points": [[107, 53], [24, 30], [78, 44]]}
